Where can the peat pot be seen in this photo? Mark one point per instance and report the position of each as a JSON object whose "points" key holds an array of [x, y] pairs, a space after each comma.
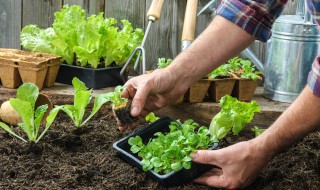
{"points": [[221, 87], [244, 89], [173, 178], [198, 91], [290, 53]]}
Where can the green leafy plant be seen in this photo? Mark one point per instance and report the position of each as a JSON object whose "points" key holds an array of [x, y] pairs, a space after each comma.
{"points": [[151, 117], [163, 63], [220, 72], [234, 115], [234, 64], [24, 104], [257, 131], [115, 96], [171, 151], [94, 42], [82, 97], [249, 70]]}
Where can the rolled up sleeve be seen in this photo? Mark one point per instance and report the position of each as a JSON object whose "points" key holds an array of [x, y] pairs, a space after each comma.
{"points": [[255, 17], [314, 77]]}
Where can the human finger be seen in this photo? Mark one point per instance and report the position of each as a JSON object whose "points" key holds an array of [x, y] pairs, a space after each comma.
{"points": [[129, 91], [211, 180], [205, 157], [139, 99]]}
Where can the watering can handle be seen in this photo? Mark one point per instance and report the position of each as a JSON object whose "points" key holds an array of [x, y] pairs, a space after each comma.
{"points": [[189, 23], [155, 9]]}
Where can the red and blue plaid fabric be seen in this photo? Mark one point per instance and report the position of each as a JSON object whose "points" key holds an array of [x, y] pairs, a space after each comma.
{"points": [[257, 16]]}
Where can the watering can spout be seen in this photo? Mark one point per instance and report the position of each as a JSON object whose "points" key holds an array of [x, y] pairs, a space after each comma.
{"points": [[210, 9]]}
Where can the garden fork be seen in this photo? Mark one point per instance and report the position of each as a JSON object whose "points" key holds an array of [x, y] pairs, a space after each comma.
{"points": [[153, 15]]}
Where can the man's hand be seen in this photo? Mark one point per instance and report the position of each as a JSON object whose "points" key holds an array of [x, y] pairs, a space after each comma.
{"points": [[238, 164], [153, 91]]}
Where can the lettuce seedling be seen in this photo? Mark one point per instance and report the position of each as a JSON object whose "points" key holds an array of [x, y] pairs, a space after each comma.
{"points": [[249, 70], [220, 72], [234, 115], [171, 151], [24, 104], [151, 117], [163, 63], [257, 131], [82, 98]]}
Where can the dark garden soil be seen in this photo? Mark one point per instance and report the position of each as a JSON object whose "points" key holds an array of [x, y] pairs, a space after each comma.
{"points": [[84, 159]]}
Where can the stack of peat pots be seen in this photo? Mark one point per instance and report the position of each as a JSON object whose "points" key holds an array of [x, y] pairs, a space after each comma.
{"points": [[17, 67]]}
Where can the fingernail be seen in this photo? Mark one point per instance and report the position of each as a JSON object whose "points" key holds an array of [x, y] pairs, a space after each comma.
{"points": [[193, 155], [134, 111]]}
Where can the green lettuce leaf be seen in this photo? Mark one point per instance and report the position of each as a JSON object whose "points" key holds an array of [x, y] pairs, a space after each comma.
{"points": [[38, 40], [234, 115]]}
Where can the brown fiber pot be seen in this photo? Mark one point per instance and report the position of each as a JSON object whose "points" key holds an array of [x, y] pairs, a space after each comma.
{"points": [[180, 100], [33, 70], [221, 87], [198, 91], [54, 62], [244, 89], [9, 74]]}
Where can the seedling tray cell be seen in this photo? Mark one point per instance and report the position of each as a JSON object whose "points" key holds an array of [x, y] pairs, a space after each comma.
{"points": [[171, 179]]}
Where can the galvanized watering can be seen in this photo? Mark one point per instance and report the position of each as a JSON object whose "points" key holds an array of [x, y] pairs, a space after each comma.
{"points": [[290, 53]]}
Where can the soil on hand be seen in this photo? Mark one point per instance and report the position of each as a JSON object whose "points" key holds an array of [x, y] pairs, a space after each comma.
{"points": [[70, 158]]}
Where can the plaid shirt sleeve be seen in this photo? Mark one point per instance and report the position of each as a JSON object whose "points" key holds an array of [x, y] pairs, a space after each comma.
{"points": [[254, 16], [314, 77]]}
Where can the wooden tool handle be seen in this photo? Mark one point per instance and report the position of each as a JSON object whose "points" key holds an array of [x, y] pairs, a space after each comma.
{"points": [[155, 9], [189, 24]]}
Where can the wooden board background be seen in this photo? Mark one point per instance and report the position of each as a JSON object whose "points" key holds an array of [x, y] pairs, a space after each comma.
{"points": [[164, 39]]}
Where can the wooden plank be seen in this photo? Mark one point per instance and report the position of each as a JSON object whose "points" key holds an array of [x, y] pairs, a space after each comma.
{"points": [[82, 3], [164, 39], [96, 6], [40, 13], [132, 10], [10, 19]]}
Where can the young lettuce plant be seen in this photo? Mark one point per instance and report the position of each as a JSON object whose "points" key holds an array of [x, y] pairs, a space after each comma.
{"points": [[121, 108], [220, 72], [234, 115], [24, 104], [82, 98], [171, 151], [151, 117], [249, 70], [163, 63], [257, 131]]}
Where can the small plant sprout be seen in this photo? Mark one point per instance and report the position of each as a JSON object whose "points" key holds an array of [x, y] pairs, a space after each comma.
{"points": [[24, 104], [249, 71], [220, 72], [234, 64], [151, 117], [82, 98], [257, 131], [121, 108], [171, 151], [163, 63]]}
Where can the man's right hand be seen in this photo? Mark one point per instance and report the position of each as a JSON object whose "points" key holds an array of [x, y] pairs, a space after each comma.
{"points": [[153, 91]]}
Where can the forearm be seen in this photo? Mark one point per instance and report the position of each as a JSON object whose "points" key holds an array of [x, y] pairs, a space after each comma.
{"points": [[221, 41], [301, 118]]}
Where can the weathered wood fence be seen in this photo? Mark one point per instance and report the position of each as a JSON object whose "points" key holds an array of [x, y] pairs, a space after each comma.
{"points": [[164, 39]]}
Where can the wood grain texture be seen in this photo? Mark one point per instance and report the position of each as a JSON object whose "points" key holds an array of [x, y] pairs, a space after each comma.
{"points": [[10, 23], [40, 13], [164, 39], [95, 6], [132, 10]]}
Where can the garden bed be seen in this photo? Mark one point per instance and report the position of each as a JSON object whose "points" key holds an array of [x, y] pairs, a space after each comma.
{"points": [[84, 159]]}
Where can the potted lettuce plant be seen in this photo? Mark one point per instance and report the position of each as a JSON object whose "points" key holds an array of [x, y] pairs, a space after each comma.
{"points": [[93, 49], [247, 81], [223, 79]]}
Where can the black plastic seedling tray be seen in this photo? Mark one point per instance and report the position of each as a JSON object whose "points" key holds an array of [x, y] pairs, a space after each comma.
{"points": [[171, 179], [93, 78]]}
